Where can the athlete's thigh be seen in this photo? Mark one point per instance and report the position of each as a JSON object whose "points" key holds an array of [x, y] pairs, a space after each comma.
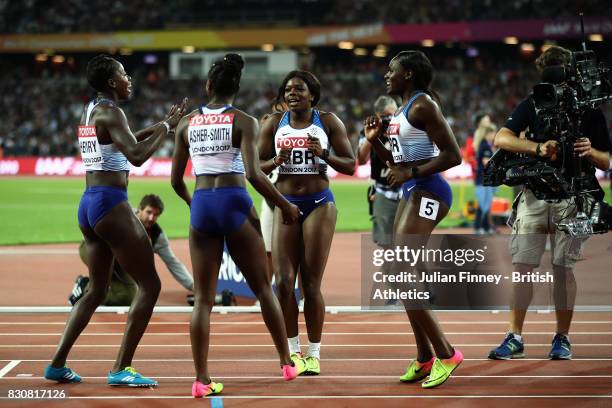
{"points": [[286, 247], [206, 253], [246, 246], [99, 259], [422, 213], [399, 214], [318, 232], [128, 240]]}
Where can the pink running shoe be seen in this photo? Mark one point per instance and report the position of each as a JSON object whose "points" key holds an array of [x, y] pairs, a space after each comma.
{"points": [[290, 372], [200, 390]]}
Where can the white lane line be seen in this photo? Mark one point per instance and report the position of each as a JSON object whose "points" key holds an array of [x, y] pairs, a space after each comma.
{"points": [[41, 251], [256, 323], [266, 334], [350, 397], [20, 346], [251, 360], [331, 397], [332, 377], [7, 368]]}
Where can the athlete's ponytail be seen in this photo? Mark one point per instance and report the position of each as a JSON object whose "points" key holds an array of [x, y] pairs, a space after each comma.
{"points": [[224, 75]]}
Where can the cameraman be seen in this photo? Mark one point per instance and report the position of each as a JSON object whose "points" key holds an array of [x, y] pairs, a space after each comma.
{"points": [[536, 219], [383, 198]]}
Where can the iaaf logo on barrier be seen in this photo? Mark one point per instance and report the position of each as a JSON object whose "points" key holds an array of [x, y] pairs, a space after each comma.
{"points": [[212, 119], [56, 166], [292, 142], [9, 167]]}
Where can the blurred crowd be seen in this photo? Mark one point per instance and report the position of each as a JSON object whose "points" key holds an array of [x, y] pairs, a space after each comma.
{"points": [[69, 16], [41, 107]]}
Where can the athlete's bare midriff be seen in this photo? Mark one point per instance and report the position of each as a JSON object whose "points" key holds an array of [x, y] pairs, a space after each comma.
{"points": [[220, 180], [107, 178], [415, 163], [305, 184]]}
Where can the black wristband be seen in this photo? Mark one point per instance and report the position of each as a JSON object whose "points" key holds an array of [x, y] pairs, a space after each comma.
{"points": [[325, 154], [538, 149], [414, 172]]}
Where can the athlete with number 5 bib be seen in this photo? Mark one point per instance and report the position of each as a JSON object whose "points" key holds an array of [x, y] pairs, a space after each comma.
{"points": [[422, 146], [301, 143], [218, 137]]}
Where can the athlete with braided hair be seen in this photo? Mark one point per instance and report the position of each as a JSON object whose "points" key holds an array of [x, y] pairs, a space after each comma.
{"points": [[221, 142]]}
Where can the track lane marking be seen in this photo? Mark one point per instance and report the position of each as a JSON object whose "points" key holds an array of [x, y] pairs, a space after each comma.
{"points": [[7, 368]]}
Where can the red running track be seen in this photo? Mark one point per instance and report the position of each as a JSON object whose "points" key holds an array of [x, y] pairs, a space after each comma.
{"points": [[363, 355]]}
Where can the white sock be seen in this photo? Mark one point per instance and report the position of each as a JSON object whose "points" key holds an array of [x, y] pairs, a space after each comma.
{"points": [[314, 350], [294, 344], [518, 337]]}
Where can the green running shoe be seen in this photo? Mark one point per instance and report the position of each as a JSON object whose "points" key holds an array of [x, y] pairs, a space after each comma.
{"points": [[298, 362], [313, 367], [417, 371], [442, 370]]}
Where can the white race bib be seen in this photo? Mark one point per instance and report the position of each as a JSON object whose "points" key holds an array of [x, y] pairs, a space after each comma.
{"points": [[210, 133], [429, 208], [301, 160], [91, 154]]}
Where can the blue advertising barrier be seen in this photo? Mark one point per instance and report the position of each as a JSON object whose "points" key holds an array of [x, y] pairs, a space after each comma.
{"points": [[231, 278]]}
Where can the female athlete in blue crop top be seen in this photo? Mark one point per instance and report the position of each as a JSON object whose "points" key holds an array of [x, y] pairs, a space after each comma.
{"points": [[422, 146], [110, 228], [218, 137], [302, 142]]}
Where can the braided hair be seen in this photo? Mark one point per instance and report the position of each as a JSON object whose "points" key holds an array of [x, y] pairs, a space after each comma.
{"points": [[224, 75]]}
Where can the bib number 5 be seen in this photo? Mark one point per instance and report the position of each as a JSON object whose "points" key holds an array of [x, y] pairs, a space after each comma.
{"points": [[429, 208]]}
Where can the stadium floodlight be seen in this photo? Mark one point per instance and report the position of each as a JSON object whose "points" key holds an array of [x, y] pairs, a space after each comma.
{"points": [[428, 43], [472, 52], [527, 47], [511, 40], [380, 51], [346, 45], [596, 37], [150, 59], [267, 47]]}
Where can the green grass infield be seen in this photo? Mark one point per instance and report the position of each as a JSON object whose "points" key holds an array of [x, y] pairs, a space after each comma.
{"points": [[44, 209]]}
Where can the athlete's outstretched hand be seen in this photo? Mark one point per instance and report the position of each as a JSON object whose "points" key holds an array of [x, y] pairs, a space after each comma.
{"points": [[291, 214], [176, 113], [398, 175], [372, 127]]}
